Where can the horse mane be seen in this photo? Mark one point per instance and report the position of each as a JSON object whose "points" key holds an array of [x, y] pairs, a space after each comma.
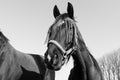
{"points": [[95, 63], [80, 41], [82, 46], [3, 39]]}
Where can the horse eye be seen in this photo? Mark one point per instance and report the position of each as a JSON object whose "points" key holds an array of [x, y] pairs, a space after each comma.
{"points": [[65, 54]]}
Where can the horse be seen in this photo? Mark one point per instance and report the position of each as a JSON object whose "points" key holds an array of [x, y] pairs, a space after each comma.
{"points": [[30, 75], [11, 61], [64, 40]]}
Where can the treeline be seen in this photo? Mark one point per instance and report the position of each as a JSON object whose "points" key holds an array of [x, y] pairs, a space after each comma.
{"points": [[110, 65]]}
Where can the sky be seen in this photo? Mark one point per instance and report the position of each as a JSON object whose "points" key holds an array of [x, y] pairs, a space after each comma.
{"points": [[25, 23]]}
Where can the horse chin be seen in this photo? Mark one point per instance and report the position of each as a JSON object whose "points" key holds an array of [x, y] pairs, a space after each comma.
{"points": [[51, 66]]}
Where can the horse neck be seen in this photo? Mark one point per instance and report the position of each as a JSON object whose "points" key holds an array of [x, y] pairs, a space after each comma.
{"points": [[85, 53], [87, 62], [78, 71]]}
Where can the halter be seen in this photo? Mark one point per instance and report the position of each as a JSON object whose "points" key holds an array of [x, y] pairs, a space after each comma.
{"points": [[66, 53]]}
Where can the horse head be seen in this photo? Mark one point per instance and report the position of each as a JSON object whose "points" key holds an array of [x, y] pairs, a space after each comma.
{"points": [[61, 39]]}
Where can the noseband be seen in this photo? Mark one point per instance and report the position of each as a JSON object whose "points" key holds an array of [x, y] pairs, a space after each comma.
{"points": [[66, 53]]}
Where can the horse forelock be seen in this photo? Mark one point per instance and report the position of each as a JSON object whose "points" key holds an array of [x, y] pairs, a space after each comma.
{"points": [[52, 29], [76, 33]]}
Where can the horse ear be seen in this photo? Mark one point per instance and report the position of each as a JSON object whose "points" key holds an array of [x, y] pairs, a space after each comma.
{"points": [[56, 11], [70, 10]]}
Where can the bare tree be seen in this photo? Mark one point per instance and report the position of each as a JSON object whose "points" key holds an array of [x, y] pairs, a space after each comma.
{"points": [[110, 65]]}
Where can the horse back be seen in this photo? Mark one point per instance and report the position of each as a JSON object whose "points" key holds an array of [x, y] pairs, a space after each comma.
{"points": [[27, 61]]}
